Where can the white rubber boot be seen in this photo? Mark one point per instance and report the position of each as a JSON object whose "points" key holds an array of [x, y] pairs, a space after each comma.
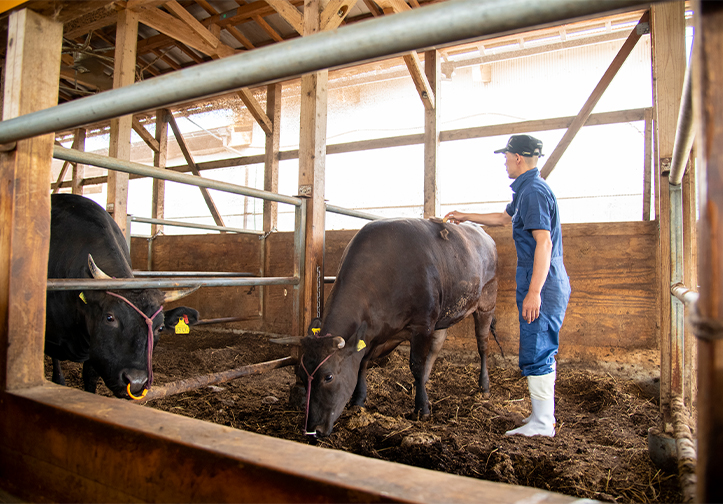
{"points": [[542, 420], [554, 372]]}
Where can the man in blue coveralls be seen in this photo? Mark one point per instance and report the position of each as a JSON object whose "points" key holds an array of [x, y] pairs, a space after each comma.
{"points": [[543, 287]]}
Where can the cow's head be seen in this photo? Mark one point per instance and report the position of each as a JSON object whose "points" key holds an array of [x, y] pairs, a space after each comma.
{"points": [[332, 362], [119, 334]]}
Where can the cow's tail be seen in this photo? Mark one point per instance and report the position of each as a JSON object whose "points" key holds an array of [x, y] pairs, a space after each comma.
{"points": [[493, 330]]}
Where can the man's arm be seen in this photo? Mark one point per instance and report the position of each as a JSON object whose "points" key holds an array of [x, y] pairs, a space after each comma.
{"points": [[488, 219], [541, 266]]}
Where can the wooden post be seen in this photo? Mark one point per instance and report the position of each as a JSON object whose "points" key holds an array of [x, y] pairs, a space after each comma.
{"points": [[708, 101], [312, 167], [124, 73], [433, 71], [271, 161], [78, 169], [160, 156], [31, 84], [668, 43]]}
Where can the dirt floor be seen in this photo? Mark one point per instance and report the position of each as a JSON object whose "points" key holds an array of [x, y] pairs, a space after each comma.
{"points": [[599, 452]]}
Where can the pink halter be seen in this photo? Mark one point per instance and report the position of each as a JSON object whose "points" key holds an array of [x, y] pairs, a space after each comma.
{"points": [[308, 391], [149, 322]]}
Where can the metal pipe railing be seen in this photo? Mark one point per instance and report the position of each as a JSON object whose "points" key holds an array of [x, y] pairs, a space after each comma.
{"points": [[352, 213], [432, 26], [684, 133], [683, 293], [182, 178], [196, 274], [208, 227], [65, 284]]}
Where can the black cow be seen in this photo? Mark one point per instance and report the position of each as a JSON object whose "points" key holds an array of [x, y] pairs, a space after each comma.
{"points": [[95, 327], [399, 279]]}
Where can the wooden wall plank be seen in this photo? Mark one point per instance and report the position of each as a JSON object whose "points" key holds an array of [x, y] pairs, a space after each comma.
{"points": [[140, 454], [31, 84], [612, 312]]}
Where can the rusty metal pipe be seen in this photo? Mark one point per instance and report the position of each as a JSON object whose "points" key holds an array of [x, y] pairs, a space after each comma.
{"points": [[180, 386], [683, 293]]}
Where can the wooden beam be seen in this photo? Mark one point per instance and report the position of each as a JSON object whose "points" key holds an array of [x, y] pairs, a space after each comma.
{"points": [[194, 169], [690, 278], [178, 30], [32, 68], [312, 171], [196, 27], [78, 168], [290, 14], [433, 73], [373, 8], [668, 46], [271, 155], [268, 29], [235, 33], [160, 156], [56, 186], [120, 127], [335, 12], [421, 83], [424, 88], [145, 136], [589, 105], [648, 175], [256, 111], [394, 5], [107, 15], [708, 102]]}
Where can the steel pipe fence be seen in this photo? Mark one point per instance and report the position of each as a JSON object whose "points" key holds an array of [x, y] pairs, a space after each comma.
{"points": [[432, 26]]}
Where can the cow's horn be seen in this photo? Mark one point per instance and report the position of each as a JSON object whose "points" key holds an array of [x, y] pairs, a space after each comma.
{"points": [[289, 340], [95, 271], [177, 294], [339, 342]]}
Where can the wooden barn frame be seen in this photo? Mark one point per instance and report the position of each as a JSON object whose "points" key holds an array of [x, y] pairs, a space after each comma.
{"points": [[141, 454]]}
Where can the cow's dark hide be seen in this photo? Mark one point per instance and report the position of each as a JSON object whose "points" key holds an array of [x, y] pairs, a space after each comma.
{"points": [[399, 279], [104, 332]]}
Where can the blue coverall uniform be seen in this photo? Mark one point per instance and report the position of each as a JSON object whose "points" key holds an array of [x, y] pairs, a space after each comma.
{"points": [[534, 206]]}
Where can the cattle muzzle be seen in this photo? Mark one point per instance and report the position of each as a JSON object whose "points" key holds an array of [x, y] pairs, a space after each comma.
{"points": [[310, 377], [149, 354], [136, 381]]}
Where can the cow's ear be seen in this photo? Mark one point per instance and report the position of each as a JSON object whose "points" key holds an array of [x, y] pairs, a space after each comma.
{"points": [[356, 341], [314, 327]]}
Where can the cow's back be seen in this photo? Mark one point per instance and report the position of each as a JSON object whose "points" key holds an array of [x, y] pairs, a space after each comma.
{"points": [[404, 269], [78, 227]]}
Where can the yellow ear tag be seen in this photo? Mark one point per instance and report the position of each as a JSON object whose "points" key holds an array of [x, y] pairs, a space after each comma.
{"points": [[360, 346], [82, 297], [315, 331], [182, 327]]}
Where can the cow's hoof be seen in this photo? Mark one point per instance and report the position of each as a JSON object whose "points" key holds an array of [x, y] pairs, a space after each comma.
{"points": [[357, 408]]}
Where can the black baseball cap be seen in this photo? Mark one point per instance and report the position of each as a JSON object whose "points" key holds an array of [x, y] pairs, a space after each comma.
{"points": [[524, 145]]}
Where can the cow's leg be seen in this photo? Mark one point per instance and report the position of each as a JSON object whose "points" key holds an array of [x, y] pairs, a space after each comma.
{"points": [[423, 352], [58, 373], [90, 377], [482, 323], [483, 317], [360, 391]]}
